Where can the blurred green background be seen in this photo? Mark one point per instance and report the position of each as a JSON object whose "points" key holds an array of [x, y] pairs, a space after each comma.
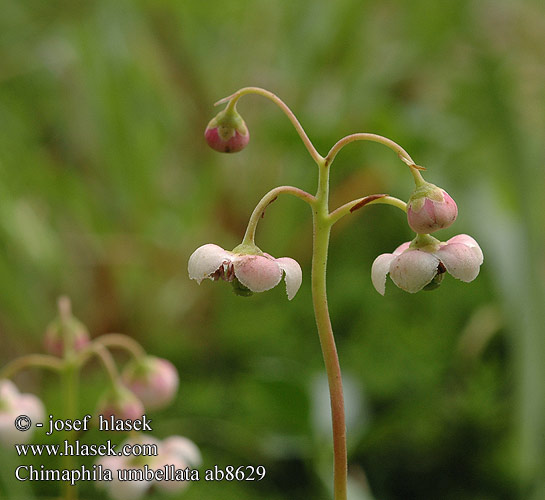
{"points": [[107, 187]]}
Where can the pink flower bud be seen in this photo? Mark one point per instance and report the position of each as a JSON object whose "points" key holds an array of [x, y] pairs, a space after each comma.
{"points": [[430, 208], [54, 338], [227, 132], [121, 403], [153, 380]]}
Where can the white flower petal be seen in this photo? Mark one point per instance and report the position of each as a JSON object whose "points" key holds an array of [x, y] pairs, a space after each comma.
{"points": [[8, 392], [293, 275], [413, 270], [401, 248], [128, 490], [461, 261], [171, 487], [206, 260], [23, 404], [470, 242], [256, 272], [379, 270], [183, 448], [31, 405], [114, 463]]}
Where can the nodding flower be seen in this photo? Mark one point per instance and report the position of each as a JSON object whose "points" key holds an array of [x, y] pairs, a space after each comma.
{"points": [[248, 272], [414, 267]]}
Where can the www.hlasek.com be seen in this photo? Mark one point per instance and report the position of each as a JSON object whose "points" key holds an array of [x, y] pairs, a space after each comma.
{"points": [[97, 472], [107, 449]]}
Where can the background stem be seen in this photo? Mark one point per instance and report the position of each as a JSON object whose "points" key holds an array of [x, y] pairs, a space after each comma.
{"points": [[122, 341], [70, 383], [31, 361], [70, 377]]}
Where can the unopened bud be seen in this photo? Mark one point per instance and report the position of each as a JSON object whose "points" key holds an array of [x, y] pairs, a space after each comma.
{"points": [[227, 132], [430, 208], [153, 380], [121, 403], [62, 330]]}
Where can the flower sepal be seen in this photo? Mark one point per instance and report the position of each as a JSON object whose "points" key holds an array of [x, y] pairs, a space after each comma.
{"points": [[426, 243], [247, 249]]}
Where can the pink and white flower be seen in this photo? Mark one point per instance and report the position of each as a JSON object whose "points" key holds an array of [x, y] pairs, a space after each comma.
{"points": [[174, 453], [137, 487], [412, 269], [118, 489], [13, 404], [257, 273], [181, 453], [183, 449]]}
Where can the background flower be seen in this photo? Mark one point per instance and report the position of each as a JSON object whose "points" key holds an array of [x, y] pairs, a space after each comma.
{"points": [[12, 405], [153, 380]]}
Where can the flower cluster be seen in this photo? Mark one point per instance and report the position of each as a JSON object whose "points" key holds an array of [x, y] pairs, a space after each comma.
{"points": [[415, 265], [146, 382]]}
